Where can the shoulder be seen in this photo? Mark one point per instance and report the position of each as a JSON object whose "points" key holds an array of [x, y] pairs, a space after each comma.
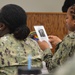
{"points": [[69, 40], [6, 38], [71, 35]]}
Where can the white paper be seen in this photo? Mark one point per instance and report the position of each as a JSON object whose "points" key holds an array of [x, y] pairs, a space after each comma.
{"points": [[42, 35]]}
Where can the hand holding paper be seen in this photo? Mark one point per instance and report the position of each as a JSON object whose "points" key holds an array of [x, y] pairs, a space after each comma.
{"points": [[42, 35]]}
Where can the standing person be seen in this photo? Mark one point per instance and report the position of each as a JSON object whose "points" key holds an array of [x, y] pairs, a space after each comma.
{"points": [[67, 4], [15, 45], [65, 48]]}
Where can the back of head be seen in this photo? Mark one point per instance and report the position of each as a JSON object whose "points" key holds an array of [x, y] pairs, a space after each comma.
{"points": [[14, 17]]}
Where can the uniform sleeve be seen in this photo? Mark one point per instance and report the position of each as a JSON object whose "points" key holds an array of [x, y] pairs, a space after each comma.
{"points": [[63, 52]]}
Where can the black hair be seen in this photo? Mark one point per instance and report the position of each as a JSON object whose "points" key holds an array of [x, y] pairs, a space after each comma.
{"points": [[15, 18], [72, 11]]}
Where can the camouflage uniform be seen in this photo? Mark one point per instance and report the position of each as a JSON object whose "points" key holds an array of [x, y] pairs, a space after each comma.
{"points": [[14, 53], [67, 69], [64, 51]]}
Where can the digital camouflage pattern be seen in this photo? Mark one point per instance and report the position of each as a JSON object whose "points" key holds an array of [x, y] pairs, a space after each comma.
{"points": [[68, 68], [64, 51], [14, 53]]}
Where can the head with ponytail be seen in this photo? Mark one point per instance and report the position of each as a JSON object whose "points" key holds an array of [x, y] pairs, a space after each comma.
{"points": [[13, 19]]}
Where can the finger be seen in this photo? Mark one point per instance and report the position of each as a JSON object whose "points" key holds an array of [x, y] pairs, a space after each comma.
{"points": [[50, 36]]}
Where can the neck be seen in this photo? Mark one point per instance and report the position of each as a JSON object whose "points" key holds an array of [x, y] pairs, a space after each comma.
{"points": [[5, 31]]}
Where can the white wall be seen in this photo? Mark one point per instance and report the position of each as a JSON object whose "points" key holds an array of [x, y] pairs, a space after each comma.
{"points": [[36, 5]]}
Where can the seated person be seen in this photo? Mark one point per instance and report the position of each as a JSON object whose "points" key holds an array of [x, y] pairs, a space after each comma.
{"points": [[65, 48], [15, 45]]}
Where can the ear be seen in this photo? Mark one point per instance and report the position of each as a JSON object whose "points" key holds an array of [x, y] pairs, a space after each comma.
{"points": [[2, 26]]}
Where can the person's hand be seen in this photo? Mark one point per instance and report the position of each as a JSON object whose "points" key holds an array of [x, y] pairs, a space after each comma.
{"points": [[54, 39], [43, 45]]}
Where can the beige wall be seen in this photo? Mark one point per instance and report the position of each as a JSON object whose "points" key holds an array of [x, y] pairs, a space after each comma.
{"points": [[36, 5]]}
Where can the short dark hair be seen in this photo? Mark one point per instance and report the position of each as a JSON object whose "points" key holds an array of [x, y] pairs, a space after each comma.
{"points": [[15, 18]]}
